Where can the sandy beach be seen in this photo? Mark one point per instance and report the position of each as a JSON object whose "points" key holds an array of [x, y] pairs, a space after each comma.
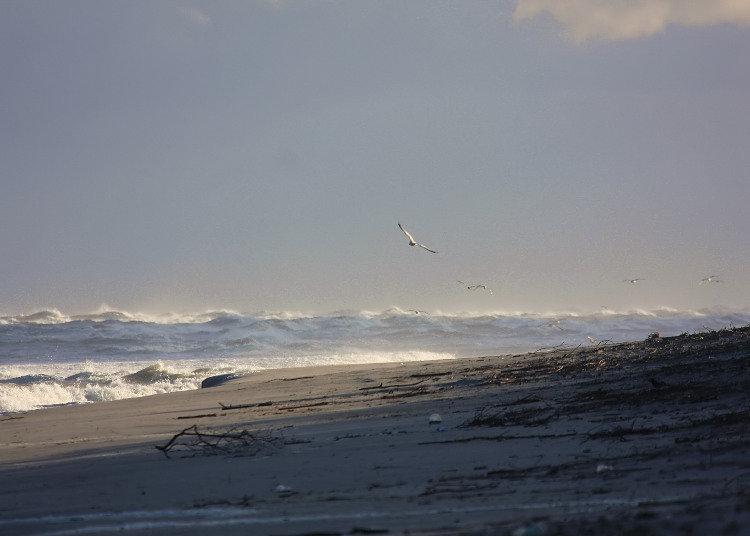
{"points": [[649, 437]]}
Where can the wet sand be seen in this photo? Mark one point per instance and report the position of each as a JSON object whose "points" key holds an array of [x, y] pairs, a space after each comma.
{"points": [[650, 437]]}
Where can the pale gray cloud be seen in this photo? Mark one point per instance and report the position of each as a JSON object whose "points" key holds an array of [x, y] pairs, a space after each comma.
{"points": [[629, 19]]}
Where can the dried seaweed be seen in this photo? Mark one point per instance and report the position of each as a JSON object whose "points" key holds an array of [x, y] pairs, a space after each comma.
{"points": [[535, 415]]}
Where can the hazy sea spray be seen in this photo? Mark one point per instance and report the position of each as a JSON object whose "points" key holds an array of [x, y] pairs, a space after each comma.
{"points": [[48, 358]]}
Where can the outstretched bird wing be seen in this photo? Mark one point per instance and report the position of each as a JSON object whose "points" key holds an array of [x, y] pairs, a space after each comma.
{"points": [[410, 237], [425, 247]]}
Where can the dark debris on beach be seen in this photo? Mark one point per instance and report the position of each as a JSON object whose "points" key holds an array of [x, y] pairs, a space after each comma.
{"points": [[681, 369], [582, 360], [673, 410]]}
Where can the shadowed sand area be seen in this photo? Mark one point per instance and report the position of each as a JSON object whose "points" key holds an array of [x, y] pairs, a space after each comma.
{"points": [[640, 438]]}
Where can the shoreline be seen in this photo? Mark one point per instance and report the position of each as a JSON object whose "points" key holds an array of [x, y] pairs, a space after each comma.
{"points": [[104, 360], [649, 436]]}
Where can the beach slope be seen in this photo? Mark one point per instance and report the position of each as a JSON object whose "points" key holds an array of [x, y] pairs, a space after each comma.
{"points": [[649, 437]]}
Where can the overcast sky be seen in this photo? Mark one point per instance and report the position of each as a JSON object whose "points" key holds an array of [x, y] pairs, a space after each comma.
{"points": [[167, 155]]}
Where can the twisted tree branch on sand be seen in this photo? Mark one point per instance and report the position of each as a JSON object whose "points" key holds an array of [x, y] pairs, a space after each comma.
{"points": [[233, 441]]}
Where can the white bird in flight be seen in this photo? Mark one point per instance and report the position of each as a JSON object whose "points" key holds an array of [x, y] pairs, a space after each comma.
{"points": [[634, 281], [474, 287], [413, 242], [710, 279]]}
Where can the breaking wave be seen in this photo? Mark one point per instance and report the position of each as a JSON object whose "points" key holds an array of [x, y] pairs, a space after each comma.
{"points": [[51, 358]]}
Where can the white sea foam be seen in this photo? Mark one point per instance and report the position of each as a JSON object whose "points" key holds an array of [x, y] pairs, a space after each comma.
{"points": [[50, 358]]}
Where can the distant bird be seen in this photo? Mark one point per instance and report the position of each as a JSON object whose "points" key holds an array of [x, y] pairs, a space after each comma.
{"points": [[592, 340], [417, 312], [710, 279], [475, 287], [413, 242], [554, 324], [632, 280]]}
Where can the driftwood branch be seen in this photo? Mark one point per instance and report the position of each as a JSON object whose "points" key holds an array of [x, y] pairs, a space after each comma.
{"points": [[243, 406], [197, 416], [394, 386], [233, 441]]}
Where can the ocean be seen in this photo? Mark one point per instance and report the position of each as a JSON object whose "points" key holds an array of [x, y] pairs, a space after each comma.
{"points": [[51, 359]]}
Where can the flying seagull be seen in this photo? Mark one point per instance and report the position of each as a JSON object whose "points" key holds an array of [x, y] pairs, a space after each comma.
{"points": [[710, 279], [474, 287], [417, 312], [634, 281], [413, 242]]}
